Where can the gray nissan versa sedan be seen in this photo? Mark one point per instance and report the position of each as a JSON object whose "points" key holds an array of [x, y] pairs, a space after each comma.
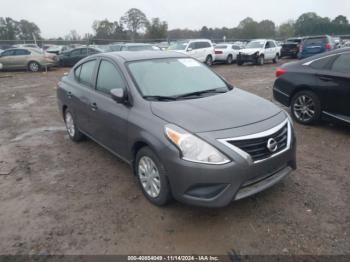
{"points": [[187, 133]]}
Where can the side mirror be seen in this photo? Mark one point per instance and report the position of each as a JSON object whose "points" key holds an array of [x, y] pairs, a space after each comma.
{"points": [[189, 49], [119, 95]]}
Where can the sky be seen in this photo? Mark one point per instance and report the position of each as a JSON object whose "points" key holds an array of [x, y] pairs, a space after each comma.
{"points": [[57, 17]]}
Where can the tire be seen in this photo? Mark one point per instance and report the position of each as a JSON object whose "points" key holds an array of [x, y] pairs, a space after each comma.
{"points": [[71, 127], [229, 60], [33, 67], [275, 60], [306, 107], [260, 60], [239, 62], [209, 60], [156, 189]]}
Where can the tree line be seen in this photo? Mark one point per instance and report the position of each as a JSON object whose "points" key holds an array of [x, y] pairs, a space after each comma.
{"points": [[135, 26]]}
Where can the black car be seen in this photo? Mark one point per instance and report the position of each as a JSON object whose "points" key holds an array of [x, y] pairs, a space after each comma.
{"points": [[316, 87], [291, 47], [71, 57]]}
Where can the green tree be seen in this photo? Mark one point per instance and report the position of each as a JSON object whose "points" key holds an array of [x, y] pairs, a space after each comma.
{"points": [[266, 29], [103, 29], [8, 29], [27, 30], [340, 20], [287, 29], [156, 29], [134, 20]]}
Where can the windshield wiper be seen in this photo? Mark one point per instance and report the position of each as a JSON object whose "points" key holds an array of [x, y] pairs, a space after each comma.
{"points": [[160, 98], [199, 93]]}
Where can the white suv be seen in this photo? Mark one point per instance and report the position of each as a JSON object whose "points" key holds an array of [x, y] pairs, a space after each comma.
{"points": [[200, 49], [258, 51]]}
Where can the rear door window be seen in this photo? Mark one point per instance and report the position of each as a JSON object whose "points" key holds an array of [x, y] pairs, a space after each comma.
{"points": [[315, 41], [76, 52], [22, 52], [342, 64], [86, 73], [322, 63]]}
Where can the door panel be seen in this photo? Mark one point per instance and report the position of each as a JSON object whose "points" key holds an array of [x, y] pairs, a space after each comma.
{"points": [[108, 118]]}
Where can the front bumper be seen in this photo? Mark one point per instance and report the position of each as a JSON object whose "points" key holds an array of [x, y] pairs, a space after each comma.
{"points": [[219, 185], [247, 58]]}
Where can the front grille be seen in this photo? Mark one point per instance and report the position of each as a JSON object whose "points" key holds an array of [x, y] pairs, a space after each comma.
{"points": [[257, 147]]}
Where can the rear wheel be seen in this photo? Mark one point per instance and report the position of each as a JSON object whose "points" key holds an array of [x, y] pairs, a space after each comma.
{"points": [[229, 60], [209, 60], [152, 178], [239, 62], [33, 66], [306, 107], [275, 60], [72, 130]]}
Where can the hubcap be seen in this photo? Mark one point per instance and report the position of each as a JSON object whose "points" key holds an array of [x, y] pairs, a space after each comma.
{"points": [[34, 67], [304, 108], [70, 124], [149, 176], [229, 59]]}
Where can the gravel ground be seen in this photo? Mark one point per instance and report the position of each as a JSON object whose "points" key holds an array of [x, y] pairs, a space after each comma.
{"points": [[58, 197]]}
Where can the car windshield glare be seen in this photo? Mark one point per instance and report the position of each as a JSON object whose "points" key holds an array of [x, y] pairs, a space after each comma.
{"points": [[255, 44], [178, 46], [173, 77]]}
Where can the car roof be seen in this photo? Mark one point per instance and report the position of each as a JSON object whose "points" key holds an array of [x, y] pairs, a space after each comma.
{"points": [[334, 52], [144, 55], [136, 44]]}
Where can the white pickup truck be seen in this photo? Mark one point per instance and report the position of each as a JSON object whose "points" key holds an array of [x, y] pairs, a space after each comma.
{"points": [[258, 51]]}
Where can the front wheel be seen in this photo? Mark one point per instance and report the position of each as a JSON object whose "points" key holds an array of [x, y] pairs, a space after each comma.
{"points": [[152, 178], [306, 107], [260, 60], [275, 60], [209, 60], [229, 60]]}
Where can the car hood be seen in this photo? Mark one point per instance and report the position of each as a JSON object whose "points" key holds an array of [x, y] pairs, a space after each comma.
{"points": [[222, 111], [250, 51]]}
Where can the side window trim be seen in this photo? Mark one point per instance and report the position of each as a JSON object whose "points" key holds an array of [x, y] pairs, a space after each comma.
{"points": [[125, 86]]}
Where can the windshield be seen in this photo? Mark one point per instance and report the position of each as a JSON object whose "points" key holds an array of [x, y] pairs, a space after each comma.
{"points": [[178, 46], [173, 77], [255, 44]]}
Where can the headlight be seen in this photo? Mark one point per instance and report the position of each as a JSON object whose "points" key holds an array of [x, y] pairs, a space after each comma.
{"points": [[193, 148]]}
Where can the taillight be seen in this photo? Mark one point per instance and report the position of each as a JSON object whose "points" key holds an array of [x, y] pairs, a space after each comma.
{"points": [[328, 46], [218, 52], [279, 72]]}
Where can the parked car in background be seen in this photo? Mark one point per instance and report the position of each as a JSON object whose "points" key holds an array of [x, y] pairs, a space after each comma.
{"points": [[71, 57], [1, 51], [314, 45], [186, 132], [132, 47], [57, 49], [163, 45], [316, 87], [27, 46], [291, 47], [258, 51], [200, 49], [26, 58], [226, 52]]}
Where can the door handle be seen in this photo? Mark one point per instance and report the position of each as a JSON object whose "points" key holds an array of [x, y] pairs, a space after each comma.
{"points": [[93, 106], [325, 78]]}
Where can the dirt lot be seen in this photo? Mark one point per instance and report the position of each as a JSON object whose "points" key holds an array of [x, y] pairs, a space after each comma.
{"points": [[58, 197]]}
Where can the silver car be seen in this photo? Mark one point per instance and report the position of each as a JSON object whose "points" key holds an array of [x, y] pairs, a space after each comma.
{"points": [[26, 58]]}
